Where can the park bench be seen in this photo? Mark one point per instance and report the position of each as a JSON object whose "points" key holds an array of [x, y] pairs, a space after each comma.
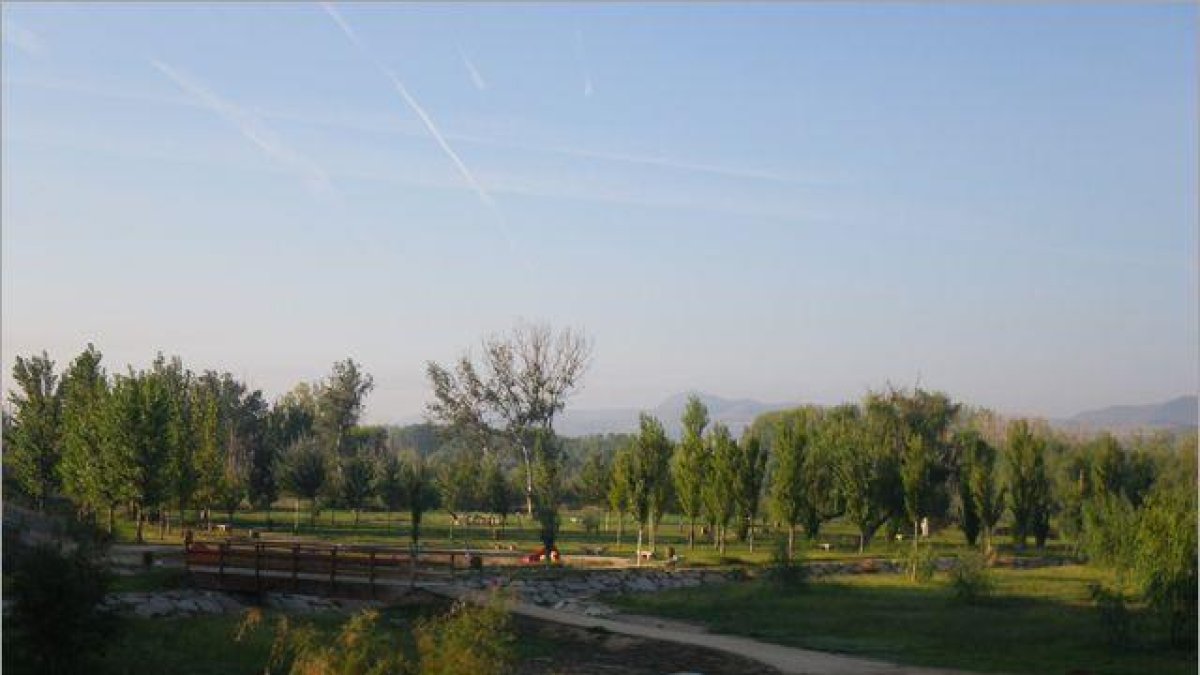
{"points": [[825, 546]]}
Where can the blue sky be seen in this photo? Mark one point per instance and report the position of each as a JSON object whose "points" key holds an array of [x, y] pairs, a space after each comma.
{"points": [[780, 201]]}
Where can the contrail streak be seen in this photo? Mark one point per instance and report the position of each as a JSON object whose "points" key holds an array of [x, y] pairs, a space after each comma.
{"points": [[249, 127], [419, 111], [476, 77], [441, 140]]}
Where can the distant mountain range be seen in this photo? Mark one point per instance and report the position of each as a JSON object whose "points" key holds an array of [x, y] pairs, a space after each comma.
{"points": [[1177, 413], [734, 413]]}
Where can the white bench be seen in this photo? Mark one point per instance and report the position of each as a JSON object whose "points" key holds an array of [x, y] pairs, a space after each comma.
{"points": [[825, 546]]}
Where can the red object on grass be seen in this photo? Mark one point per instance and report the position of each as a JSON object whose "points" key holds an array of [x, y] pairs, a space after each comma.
{"points": [[540, 555]]}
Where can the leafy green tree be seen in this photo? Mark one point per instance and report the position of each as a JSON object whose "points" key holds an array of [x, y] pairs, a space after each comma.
{"points": [[788, 491], [618, 486], [84, 390], [389, 484], [719, 490], [182, 468], [340, 402], [862, 471], [521, 385], [497, 494], [356, 484], [457, 481], [138, 425], [547, 483], [915, 476], [420, 493], [983, 489], [689, 465], [750, 474], [594, 477], [34, 446], [1029, 484], [648, 475], [305, 471]]}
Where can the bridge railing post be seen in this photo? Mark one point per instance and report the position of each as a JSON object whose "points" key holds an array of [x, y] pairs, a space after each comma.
{"points": [[333, 568], [371, 571]]}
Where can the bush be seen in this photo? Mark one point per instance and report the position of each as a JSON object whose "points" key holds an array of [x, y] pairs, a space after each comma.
{"points": [[787, 571], [56, 624], [970, 579], [591, 523], [467, 639], [921, 564], [1115, 617], [1164, 562]]}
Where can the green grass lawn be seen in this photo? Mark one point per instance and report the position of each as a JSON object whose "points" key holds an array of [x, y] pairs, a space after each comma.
{"points": [[380, 528], [1038, 621]]}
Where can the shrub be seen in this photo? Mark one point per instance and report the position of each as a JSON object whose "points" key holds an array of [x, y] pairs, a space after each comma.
{"points": [[787, 571], [921, 564], [1115, 617], [468, 639], [970, 579], [1164, 561], [591, 523], [56, 624]]}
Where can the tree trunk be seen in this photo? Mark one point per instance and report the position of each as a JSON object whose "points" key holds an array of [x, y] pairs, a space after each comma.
{"points": [[620, 527], [528, 481], [638, 552], [139, 525], [692, 533], [356, 518], [750, 534], [862, 541], [112, 519], [791, 541]]}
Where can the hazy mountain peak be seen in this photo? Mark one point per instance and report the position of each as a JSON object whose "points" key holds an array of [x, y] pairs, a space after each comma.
{"points": [[1179, 412]]}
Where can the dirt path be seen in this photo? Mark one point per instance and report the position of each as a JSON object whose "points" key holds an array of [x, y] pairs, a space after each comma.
{"points": [[789, 660]]}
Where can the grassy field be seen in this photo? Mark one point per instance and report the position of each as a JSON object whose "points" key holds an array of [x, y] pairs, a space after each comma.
{"points": [[1038, 621], [521, 533]]}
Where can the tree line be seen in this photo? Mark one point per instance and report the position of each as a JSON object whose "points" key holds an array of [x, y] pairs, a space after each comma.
{"points": [[892, 461], [165, 439]]}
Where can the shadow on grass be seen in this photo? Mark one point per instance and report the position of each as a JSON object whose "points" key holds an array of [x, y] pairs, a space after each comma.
{"points": [[1036, 624]]}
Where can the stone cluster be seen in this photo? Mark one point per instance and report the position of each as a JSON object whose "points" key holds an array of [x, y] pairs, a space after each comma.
{"points": [[178, 603], [187, 602], [562, 592]]}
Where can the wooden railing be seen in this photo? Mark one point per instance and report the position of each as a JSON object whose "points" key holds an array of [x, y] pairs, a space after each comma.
{"points": [[234, 562]]}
